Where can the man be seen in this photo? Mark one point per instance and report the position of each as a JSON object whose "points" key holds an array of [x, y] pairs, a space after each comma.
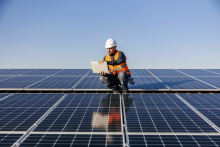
{"points": [[118, 69]]}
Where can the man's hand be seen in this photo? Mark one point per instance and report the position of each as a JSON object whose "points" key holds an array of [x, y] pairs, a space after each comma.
{"points": [[103, 73], [100, 61]]}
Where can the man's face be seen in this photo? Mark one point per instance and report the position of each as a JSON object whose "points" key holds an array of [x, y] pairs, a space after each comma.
{"points": [[111, 50]]}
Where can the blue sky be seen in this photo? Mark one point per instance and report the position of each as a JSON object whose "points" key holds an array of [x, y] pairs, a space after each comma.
{"points": [[71, 33]]}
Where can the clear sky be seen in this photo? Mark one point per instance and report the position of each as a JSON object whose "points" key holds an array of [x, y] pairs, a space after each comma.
{"points": [[71, 33]]}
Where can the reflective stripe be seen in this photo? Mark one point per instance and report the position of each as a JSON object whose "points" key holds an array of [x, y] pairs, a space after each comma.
{"points": [[120, 67]]}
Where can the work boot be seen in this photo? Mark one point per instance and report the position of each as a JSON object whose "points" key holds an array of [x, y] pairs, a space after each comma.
{"points": [[117, 89]]}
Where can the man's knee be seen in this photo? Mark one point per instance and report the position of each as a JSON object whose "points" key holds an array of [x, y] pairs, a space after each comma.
{"points": [[102, 79], [122, 75]]}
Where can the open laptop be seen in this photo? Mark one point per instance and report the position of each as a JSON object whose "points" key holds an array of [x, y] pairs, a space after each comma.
{"points": [[97, 67]]}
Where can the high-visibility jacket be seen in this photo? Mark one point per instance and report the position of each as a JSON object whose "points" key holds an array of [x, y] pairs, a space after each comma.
{"points": [[115, 69]]}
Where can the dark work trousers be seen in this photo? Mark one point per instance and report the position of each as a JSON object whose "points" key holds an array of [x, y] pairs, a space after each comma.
{"points": [[113, 81]]}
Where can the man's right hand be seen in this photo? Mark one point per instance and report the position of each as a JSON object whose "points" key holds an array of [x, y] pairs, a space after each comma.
{"points": [[102, 73], [100, 61]]}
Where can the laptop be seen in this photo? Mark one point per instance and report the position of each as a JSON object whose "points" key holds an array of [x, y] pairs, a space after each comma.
{"points": [[97, 67]]}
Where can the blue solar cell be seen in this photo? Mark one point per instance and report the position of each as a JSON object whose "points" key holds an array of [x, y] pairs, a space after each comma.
{"points": [[73, 72], [73, 140], [147, 83], [20, 111], [91, 83], [166, 72], [207, 104], [2, 78], [140, 72], [91, 74], [215, 81], [43, 72], [2, 95], [217, 71], [162, 113], [184, 83], [7, 140], [197, 72], [93, 113], [20, 81], [15, 71], [57, 82], [174, 140]]}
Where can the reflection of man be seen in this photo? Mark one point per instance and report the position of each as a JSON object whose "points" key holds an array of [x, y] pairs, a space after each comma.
{"points": [[109, 116], [119, 72]]}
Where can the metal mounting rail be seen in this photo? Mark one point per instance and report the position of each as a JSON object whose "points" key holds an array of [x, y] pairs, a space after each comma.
{"points": [[200, 114], [158, 79], [81, 79], [125, 130], [28, 132]]}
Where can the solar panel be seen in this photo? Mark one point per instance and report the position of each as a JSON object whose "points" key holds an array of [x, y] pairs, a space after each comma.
{"points": [[207, 104], [73, 72], [217, 71], [166, 72], [15, 71], [55, 82], [139, 72], [7, 140], [174, 140], [20, 111], [91, 83], [162, 113], [2, 95], [147, 83], [2, 78], [197, 72], [20, 81], [91, 74], [78, 140], [43, 72], [184, 83], [84, 113], [215, 81]]}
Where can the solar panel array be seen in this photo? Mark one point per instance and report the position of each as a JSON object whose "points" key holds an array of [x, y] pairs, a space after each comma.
{"points": [[85, 79], [109, 120], [92, 119]]}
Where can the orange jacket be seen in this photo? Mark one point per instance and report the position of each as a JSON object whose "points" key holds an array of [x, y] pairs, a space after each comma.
{"points": [[117, 68]]}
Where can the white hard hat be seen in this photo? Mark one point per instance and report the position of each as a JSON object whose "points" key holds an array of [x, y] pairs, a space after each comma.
{"points": [[110, 43]]}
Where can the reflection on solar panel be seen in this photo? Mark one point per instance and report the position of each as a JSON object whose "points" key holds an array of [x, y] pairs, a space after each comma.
{"points": [[8, 139], [20, 111], [15, 71], [140, 72], [73, 72], [57, 82], [147, 83], [197, 72], [215, 81], [91, 83], [207, 104], [166, 72], [79, 140], [85, 113], [43, 72], [162, 113], [184, 83], [174, 141], [20, 81], [4, 77]]}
